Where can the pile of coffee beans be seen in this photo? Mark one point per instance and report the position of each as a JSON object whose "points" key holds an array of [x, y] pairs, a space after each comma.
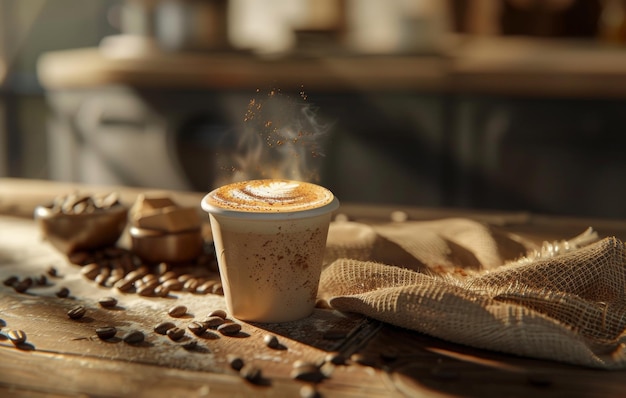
{"points": [[76, 203], [120, 269], [23, 284]]}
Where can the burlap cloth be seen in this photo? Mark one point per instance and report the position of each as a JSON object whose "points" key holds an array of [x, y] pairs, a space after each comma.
{"points": [[465, 282]]}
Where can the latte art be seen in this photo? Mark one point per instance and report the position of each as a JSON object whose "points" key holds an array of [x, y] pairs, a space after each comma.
{"points": [[269, 196], [273, 189]]}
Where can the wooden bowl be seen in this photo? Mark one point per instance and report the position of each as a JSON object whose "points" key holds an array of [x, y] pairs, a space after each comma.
{"points": [[70, 233]]}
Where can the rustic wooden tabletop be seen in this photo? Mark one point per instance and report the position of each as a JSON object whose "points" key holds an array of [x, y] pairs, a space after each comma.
{"points": [[64, 357]]}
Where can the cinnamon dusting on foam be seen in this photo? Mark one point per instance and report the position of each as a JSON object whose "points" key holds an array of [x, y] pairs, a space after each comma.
{"points": [[273, 195]]}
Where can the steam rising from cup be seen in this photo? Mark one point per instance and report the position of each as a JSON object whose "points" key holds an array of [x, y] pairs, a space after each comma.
{"points": [[282, 137]]}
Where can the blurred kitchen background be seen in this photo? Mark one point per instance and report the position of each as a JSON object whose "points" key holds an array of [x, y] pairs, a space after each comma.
{"points": [[482, 104]]}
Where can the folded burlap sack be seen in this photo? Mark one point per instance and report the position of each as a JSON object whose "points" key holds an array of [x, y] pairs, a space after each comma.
{"points": [[465, 282]]}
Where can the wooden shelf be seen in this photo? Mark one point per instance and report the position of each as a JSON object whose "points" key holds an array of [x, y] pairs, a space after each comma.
{"points": [[514, 66]]}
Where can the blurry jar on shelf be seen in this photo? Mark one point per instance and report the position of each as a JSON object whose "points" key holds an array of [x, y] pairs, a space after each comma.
{"points": [[612, 23]]}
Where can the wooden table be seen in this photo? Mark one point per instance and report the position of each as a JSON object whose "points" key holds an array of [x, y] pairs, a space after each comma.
{"points": [[64, 357]]}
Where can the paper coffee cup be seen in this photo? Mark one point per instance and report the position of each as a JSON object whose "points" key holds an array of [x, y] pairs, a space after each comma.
{"points": [[270, 237]]}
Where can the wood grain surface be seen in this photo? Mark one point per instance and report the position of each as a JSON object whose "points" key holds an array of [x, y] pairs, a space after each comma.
{"points": [[65, 358]]}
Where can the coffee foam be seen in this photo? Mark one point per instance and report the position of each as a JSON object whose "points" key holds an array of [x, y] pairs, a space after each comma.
{"points": [[268, 196]]}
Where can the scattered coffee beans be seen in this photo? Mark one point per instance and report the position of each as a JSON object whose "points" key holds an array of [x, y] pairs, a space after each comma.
{"points": [[175, 333], [196, 328], [17, 337], [63, 292], [229, 328], [163, 327], [306, 371], [177, 311], [251, 373], [161, 291], [335, 358], [107, 302], [235, 362], [23, 285], [271, 341], [77, 312], [11, 280], [219, 313], [133, 337], [41, 280], [218, 289], [213, 321], [106, 332], [190, 345], [90, 271], [364, 360]]}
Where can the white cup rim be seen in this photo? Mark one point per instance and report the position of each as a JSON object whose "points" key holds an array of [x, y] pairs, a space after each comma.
{"points": [[282, 215]]}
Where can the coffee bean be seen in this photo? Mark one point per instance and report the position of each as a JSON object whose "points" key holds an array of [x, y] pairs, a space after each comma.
{"points": [[102, 277], [184, 278], [364, 360], [213, 321], [77, 312], [163, 327], [229, 328], [107, 302], [124, 285], [163, 268], [218, 289], [161, 291], [271, 341], [234, 362], [190, 345], [145, 291], [133, 337], [90, 271], [308, 391], [167, 276], [63, 292], [335, 358], [137, 273], [306, 371], [196, 328], [106, 332], [177, 311], [205, 287], [251, 373], [23, 285], [41, 280], [191, 285], [11, 280], [220, 313], [173, 285], [176, 333], [17, 337], [113, 279]]}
